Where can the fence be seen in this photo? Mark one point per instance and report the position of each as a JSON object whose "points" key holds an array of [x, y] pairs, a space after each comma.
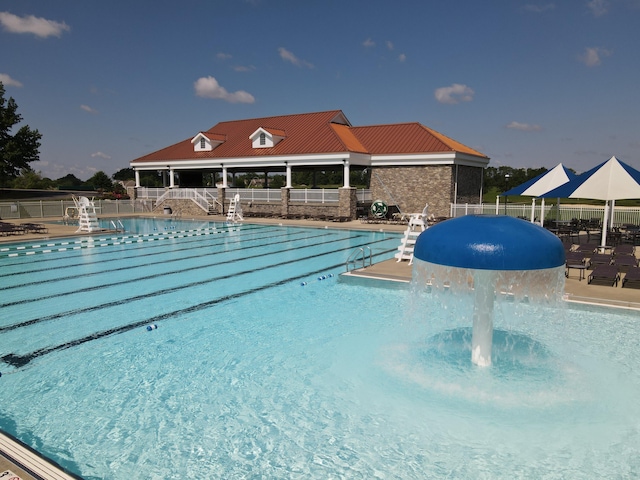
{"points": [[57, 208], [565, 213], [269, 195]]}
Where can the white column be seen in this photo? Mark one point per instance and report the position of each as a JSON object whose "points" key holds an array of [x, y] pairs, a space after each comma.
{"points": [[346, 173], [137, 174], [224, 177], [171, 183], [289, 185]]}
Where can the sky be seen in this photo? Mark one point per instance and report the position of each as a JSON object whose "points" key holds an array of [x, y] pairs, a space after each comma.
{"points": [[528, 83]]}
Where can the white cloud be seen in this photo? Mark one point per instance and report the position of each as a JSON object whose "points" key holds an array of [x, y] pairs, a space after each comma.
{"points": [[40, 27], [244, 68], [598, 7], [101, 155], [208, 87], [369, 43], [389, 45], [592, 57], [454, 94], [539, 8], [223, 56], [88, 109], [524, 127], [7, 81], [402, 57], [288, 56]]}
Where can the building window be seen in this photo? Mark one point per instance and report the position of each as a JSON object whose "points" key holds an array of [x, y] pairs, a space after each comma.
{"points": [[263, 139], [203, 144]]}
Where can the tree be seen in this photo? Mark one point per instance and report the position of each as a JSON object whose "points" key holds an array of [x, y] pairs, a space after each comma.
{"points": [[19, 149], [124, 174], [100, 181], [33, 180], [69, 182]]}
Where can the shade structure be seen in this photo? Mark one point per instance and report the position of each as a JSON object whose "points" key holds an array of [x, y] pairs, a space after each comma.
{"points": [[543, 183], [611, 180]]}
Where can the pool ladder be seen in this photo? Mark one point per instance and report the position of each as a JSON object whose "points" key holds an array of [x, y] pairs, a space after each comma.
{"points": [[119, 227], [360, 256]]}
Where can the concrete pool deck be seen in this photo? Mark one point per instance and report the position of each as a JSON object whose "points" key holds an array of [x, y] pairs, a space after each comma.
{"points": [[29, 465]]}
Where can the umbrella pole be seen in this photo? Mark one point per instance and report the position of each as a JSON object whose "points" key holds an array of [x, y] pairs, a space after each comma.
{"points": [[533, 209], [611, 215], [542, 213], [497, 204], [604, 224]]}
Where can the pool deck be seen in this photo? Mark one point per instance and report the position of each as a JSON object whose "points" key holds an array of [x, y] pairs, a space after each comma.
{"points": [[29, 465]]}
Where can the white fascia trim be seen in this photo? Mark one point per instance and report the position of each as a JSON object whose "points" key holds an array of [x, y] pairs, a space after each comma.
{"points": [[432, 159], [258, 162]]}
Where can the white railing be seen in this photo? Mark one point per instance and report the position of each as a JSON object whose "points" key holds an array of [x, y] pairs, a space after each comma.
{"points": [[621, 215], [305, 195], [255, 194], [56, 208], [187, 194], [315, 195]]}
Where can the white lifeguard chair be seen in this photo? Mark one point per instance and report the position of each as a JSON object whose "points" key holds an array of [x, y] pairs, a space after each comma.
{"points": [[87, 218], [235, 210], [417, 225]]}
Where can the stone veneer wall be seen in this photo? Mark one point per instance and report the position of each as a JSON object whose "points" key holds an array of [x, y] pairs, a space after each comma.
{"points": [[412, 187], [181, 207]]}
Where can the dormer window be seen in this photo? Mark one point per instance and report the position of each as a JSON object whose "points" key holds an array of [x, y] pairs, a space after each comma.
{"points": [[266, 137], [206, 141]]}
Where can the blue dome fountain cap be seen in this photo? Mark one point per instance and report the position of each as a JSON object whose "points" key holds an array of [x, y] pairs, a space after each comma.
{"points": [[490, 242]]}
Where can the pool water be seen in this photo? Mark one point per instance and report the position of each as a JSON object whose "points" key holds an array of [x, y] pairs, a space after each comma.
{"points": [[251, 374]]}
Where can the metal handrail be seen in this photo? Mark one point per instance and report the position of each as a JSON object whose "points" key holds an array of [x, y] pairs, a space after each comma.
{"points": [[353, 258]]}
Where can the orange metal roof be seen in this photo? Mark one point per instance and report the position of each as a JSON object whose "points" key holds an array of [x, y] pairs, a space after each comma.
{"points": [[312, 133]]}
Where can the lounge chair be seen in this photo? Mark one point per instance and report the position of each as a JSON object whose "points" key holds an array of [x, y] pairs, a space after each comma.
{"points": [[585, 248], [624, 249], [600, 259], [624, 262], [632, 278], [575, 258], [604, 274]]}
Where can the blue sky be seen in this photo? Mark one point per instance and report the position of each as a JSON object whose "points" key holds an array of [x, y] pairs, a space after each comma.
{"points": [[528, 83]]}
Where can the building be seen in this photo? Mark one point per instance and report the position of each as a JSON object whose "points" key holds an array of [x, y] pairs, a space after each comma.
{"points": [[408, 164]]}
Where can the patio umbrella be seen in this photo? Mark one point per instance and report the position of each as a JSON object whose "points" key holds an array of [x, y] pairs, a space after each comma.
{"points": [[611, 180], [543, 183]]}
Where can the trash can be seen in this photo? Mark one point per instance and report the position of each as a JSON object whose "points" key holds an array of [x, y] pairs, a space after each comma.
{"points": [[167, 210]]}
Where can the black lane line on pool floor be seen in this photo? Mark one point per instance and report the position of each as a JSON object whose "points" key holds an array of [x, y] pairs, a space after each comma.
{"points": [[132, 267], [56, 316], [155, 275], [19, 361], [133, 247]]}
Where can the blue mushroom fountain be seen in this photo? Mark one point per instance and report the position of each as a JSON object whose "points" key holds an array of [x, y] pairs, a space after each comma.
{"points": [[490, 257]]}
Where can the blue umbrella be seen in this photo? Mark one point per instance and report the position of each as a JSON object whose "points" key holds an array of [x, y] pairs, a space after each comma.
{"points": [[611, 180]]}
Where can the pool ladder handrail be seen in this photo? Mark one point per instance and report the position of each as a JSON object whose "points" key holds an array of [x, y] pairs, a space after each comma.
{"points": [[353, 258], [119, 227]]}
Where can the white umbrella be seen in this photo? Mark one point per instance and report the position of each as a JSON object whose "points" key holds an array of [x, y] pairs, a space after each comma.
{"points": [[543, 183], [609, 181]]}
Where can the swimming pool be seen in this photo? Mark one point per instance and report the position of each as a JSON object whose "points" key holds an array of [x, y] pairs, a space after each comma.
{"points": [[250, 374]]}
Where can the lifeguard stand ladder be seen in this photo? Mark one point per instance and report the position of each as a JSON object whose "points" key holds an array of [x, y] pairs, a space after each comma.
{"points": [[88, 221], [417, 225], [235, 210]]}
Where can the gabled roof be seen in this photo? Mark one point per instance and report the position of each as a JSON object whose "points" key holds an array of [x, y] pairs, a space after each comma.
{"points": [[407, 138], [311, 133]]}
